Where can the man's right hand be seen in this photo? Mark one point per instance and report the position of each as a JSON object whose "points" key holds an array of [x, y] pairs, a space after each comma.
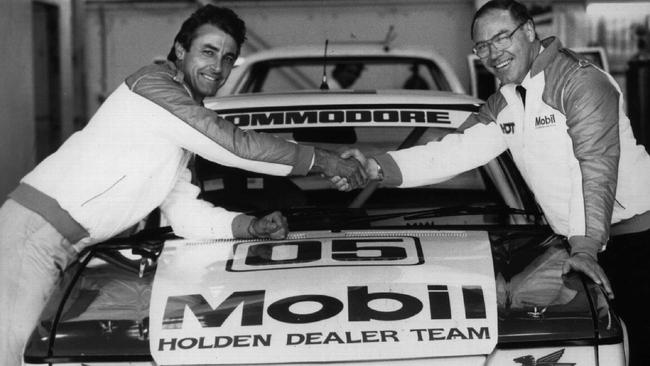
{"points": [[369, 164], [332, 165]]}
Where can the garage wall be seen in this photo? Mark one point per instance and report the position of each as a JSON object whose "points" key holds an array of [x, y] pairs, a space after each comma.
{"points": [[439, 25], [121, 37], [16, 94]]}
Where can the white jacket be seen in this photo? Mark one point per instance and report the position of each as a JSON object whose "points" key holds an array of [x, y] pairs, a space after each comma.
{"points": [[572, 143], [132, 157]]}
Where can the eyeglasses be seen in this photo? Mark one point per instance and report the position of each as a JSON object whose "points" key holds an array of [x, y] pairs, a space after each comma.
{"points": [[500, 42]]}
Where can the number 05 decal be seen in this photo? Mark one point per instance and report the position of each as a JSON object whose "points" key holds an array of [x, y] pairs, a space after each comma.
{"points": [[265, 255]]}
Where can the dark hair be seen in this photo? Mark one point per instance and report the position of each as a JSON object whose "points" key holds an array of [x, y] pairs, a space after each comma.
{"points": [[222, 18], [517, 10]]}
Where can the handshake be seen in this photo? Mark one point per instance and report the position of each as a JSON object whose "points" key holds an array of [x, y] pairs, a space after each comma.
{"points": [[347, 171]]}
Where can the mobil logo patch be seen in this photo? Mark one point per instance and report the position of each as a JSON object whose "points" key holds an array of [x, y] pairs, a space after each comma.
{"points": [[545, 121], [508, 128]]}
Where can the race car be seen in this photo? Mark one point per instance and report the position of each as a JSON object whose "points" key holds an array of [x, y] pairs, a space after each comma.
{"points": [[463, 272]]}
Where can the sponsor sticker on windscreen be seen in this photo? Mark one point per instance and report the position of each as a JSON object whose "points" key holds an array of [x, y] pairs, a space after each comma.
{"points": [[323, 299], [354, 116]]}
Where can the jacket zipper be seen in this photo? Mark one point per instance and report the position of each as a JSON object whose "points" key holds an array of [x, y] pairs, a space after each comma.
{"points": [[104, 191]]}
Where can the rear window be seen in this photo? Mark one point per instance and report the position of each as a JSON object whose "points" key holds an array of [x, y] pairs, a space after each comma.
{"points": [[348, 73]]}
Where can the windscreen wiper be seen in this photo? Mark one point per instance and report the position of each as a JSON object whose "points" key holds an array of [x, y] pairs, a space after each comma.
{"points": [[463, 210]]}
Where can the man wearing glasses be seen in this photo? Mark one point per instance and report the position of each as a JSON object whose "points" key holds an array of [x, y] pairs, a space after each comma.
{"points": [[564, 122]]}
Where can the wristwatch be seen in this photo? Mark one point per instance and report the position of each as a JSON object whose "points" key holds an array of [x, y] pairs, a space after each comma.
{"points": [[380, 171]]}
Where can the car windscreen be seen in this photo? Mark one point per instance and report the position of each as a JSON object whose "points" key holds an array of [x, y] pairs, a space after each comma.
{"points": [[240, 190]]}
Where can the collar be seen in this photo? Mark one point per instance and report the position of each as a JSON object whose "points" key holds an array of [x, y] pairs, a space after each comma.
{"points": [[551, 47], [178, 74], [179, 77], [529, 75]]}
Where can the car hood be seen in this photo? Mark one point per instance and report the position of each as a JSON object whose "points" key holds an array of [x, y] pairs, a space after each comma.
{"points": [[338, 297], [323, 296]]}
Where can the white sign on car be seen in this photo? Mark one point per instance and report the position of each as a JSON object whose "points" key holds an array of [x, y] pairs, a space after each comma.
{"points": [[336, 297]]}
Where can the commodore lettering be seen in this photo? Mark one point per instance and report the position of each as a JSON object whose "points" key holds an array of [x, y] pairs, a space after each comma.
{"points": [[358, 116], [338, 116], [265, 119], [386, 116], [331, 117], [298, 118]]}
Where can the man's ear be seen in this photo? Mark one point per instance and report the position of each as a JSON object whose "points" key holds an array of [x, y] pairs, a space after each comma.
{"points": [[179, 50], [530, 31]]}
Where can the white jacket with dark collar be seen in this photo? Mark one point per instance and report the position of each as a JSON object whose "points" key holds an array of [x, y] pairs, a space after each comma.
{"points": [[132, 157]]}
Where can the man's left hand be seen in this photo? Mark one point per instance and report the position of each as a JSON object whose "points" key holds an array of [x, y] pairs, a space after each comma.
{"points": [[273, 225], [583, 262]]}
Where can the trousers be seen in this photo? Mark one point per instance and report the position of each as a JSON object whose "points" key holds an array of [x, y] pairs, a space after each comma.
{"points": [[626, 262], [33, 256]]}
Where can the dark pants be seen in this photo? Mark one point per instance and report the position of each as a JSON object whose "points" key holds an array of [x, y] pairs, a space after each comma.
{"points": [[627, 264]]}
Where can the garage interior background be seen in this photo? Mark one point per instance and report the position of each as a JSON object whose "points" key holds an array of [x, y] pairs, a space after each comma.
{"points": [[63, 57]]}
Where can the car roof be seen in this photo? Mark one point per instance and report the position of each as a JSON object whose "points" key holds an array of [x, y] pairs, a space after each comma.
{"points": [[356, 49]]}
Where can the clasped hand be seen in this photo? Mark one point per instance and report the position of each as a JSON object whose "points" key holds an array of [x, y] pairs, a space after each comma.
{"points": [[344, 167], [346, 171], [369, 166]]}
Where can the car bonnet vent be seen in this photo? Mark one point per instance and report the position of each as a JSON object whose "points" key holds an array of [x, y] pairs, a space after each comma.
{"points": [[346, 234], [420, 233]]}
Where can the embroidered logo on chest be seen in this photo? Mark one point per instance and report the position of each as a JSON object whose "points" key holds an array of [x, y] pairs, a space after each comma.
{"points": [[545, 121], [508, 128]]}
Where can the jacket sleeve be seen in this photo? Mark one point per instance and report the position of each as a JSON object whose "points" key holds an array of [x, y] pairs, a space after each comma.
{"points": [[201, 131], [478, 140], [592, 106], [193, 218]]}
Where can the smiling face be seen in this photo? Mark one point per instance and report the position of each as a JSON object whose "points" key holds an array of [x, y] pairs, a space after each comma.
{"points": [[208, 62], [511, 64]]}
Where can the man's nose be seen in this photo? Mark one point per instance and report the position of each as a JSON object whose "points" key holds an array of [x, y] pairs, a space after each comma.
{"points": [[216, 66]]}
